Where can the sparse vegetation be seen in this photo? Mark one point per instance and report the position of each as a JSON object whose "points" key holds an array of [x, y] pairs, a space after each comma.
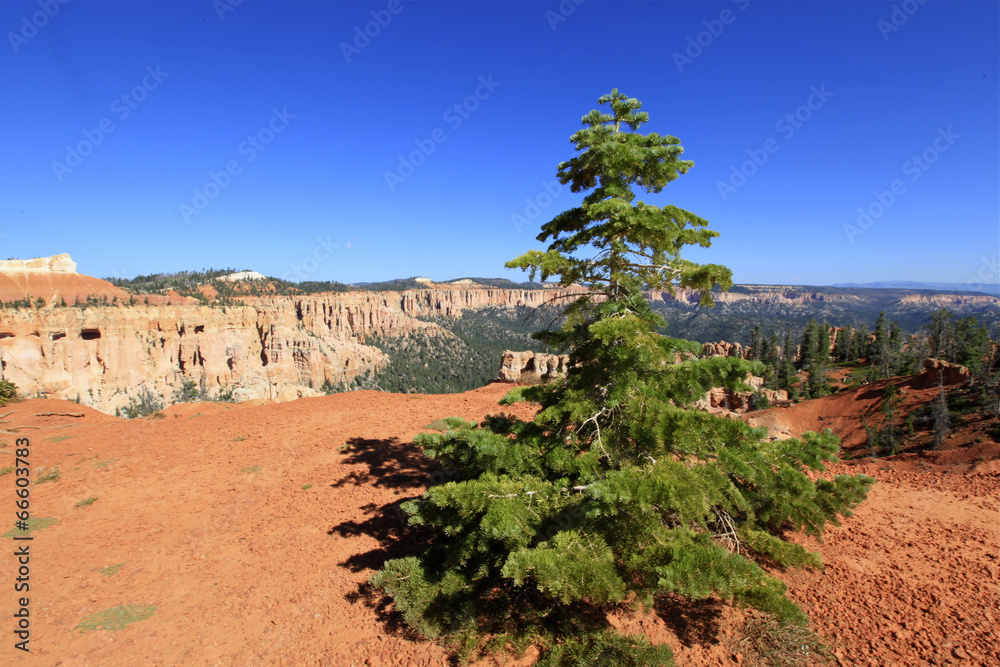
{"points": [[51, 476], [86, 502], [148, 402], [767, 642], [34, 523], [6, 471], [250, 470], [116, 618], [437, 425], [884, 438], [8, 391], [306, 487], [112, 570]]}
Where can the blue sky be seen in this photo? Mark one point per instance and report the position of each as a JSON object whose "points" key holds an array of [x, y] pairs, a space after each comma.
{"points": [[833, 142]]}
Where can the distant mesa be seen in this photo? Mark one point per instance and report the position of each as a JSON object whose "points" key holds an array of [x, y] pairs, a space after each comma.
{"points": [[53, 279], [55, 264]]}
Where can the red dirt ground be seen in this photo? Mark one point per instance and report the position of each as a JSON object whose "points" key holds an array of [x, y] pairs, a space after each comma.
{"points": [[71, 287], [206, 511]]}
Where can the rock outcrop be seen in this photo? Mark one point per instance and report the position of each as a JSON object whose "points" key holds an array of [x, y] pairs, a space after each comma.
{"points": [[936, 370], [721, 399], [531, 367], [724, 349]]}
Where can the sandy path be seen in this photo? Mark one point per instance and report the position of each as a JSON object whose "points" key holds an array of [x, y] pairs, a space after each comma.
{"points": [[245, 567]]}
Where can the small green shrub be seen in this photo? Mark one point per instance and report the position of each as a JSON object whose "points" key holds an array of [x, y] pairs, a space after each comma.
{"points": [[306, 487], [51, 476], [8, 390], [86, 502], [112, 570], [116, 618], [250, 470], [437, 425], [33, 525]]}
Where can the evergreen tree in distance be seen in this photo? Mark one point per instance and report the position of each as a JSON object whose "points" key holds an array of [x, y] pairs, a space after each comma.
{"points": [[614, 493]]}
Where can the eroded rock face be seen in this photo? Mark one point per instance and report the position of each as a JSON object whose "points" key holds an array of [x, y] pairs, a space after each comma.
{"points": [[531, 367], [271, 348], [723, 349], [936, 370], [109, 356], [719, 398]]}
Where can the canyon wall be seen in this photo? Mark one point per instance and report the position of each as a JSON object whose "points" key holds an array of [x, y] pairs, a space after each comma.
{"points": [[109, 357]]}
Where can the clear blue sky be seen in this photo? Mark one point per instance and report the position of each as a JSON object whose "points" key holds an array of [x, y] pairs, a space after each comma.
{"points": [[329, 122]]}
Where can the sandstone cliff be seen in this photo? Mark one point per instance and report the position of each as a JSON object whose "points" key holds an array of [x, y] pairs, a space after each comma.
{"points": [[271, 347]]}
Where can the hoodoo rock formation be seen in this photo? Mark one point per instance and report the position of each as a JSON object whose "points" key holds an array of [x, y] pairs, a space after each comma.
{"points": [[531, 367], [938, 371]]}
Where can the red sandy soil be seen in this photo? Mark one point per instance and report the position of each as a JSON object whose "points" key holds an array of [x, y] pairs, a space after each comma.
{"points": [[246, 567], [71, 287]]}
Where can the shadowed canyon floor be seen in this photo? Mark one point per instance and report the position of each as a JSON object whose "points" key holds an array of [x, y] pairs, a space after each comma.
{"points": [[252, 528]]}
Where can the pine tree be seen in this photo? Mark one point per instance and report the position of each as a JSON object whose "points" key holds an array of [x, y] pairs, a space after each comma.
{"points": [[615, 492], [810, 344], [878, 348], [842, 346], [773, 363], [971, 343], [937, 332], [756, 353], [860, 343], [815, 358], [787, 377]]}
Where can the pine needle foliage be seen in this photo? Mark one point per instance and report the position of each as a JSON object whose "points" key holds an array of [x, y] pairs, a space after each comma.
{"points": [[616, 491]]}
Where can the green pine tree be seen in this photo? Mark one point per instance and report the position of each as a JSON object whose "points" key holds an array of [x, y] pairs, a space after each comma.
{"points": [[615, 492], [756, 352], [860, 343]]}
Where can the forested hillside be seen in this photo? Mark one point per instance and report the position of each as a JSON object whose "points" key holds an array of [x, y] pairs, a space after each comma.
{"points": [[464, 356]]}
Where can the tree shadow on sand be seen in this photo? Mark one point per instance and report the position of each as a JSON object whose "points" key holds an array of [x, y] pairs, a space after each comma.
{"points": [[694, 622], [395, 465], [391, 464]]}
